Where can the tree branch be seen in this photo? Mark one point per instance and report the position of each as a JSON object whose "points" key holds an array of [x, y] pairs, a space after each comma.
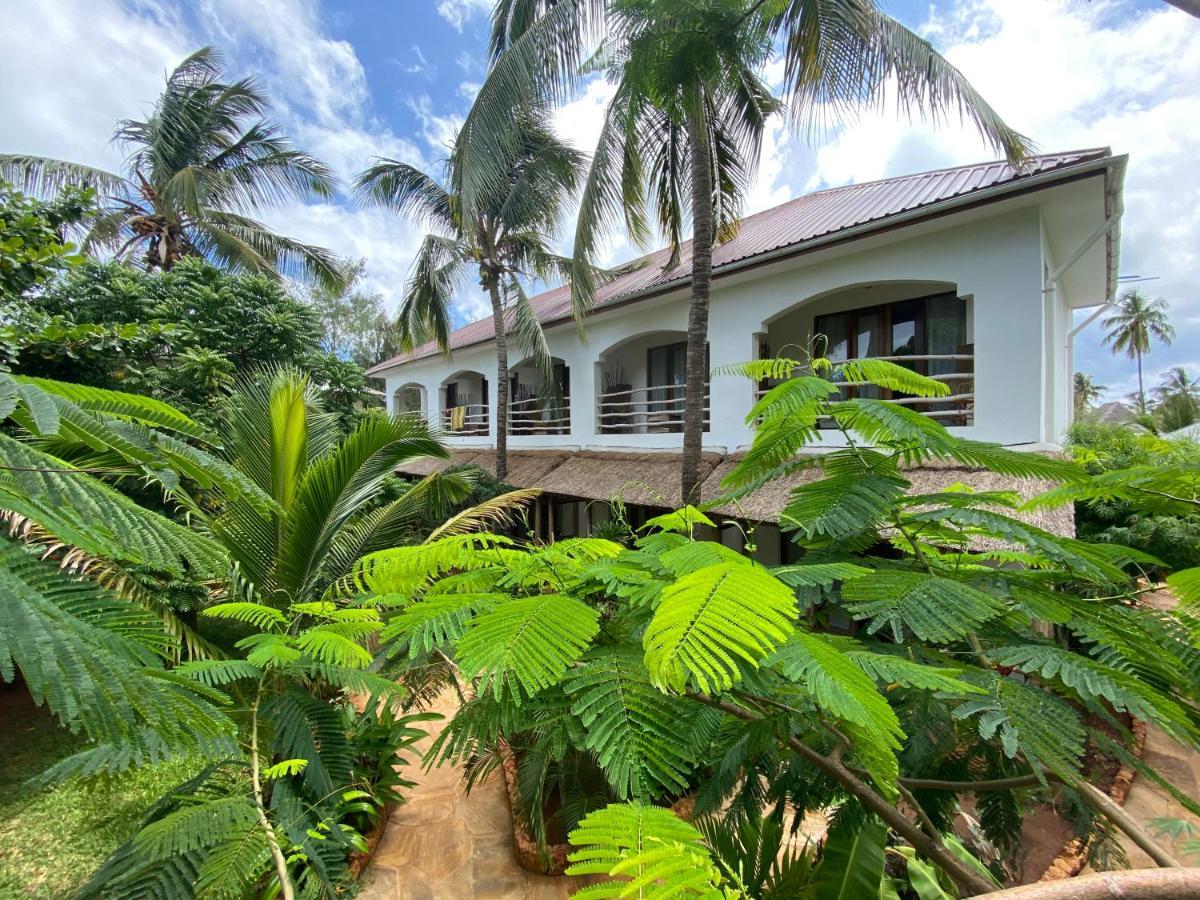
{"points": [[1130, 884]]}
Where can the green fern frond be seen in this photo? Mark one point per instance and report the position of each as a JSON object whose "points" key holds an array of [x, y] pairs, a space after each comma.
{"points": [[256, 614], [526, 644], [632, 727], [710, 619], [680, 521], [194, 826], [841, 505], [695, 555], [135, 407], [402, 570], [797, 398], [838, 684], [1186, 585], [284, 769], [1014, 463], [219, 672], [760, 369], [819, 574], [892, 377], [889, 669], [655, 854], [1029, 721], [933, 608], [232, 867], [437, 621], [329, 646], [1098, 682]]}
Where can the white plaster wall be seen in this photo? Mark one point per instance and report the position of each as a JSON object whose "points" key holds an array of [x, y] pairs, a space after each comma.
{"points": [[997, 261]]}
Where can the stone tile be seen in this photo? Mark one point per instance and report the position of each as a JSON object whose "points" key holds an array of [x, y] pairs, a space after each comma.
{"points": [[380, 883], [495, 873]]}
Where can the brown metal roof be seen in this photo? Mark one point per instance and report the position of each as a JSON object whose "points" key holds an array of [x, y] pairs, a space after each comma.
{"points": [[789, 225]]}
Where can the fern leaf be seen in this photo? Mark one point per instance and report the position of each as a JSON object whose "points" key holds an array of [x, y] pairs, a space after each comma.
{"points": [[760, 369], [438, 620], [892, 377], [931, 607], [256, 614], [194, 826], [1096, 681], [694, 555], [137, 407], [890, 669], [228, 872], [526, 644], [657, 855], [818, 574], [681, 521], [285, 768], [708, 620], [219, 672], [841, 505], [327, 645], [631, 727], [1186, 585], [1029, 721]]}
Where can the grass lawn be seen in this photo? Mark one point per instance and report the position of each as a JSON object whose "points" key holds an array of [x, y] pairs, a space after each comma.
{"points": [[52, 841]]}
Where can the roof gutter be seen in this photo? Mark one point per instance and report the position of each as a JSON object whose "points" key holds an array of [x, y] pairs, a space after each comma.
{"points": [[942, 207]]}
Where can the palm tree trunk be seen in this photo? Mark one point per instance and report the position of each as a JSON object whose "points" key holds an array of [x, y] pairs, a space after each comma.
{"points": [[1141, 386], [696, 363], [493, 288]]}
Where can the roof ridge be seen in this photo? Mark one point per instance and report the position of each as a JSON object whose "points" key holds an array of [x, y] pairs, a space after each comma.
{"points": [[1064, 159], [959, 168]]}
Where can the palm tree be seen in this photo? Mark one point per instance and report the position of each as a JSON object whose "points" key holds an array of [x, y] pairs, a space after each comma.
{"points": [[504, 240], [1137, 320], [1177, 400], [1087, 392], [687, 115], [199, 166]]}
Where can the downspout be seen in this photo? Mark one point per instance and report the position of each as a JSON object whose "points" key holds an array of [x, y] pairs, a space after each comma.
{"points": [[1111, 230]]}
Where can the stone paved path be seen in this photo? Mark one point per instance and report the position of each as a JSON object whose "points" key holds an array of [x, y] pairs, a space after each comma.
{"points": [[445, 845]]}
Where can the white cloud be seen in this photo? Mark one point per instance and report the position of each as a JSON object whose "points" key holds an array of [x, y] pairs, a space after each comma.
{"points": [[97, 63], [458, 12], [1071, 75]]}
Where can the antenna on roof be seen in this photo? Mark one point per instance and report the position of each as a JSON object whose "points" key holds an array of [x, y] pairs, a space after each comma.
{"points": [[1133, 279]]}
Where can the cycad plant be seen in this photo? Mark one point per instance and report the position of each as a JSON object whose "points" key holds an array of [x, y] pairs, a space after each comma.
{"points": [[199, 168], [684, 666], [274, 515], [1138, 321], [683, 128], [505, 239]]}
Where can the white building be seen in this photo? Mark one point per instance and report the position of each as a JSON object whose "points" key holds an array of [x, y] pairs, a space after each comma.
{"points": [[969, 274]]}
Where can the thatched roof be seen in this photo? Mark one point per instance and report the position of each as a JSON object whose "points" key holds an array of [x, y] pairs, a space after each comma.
{"points": [[765, 504], [526, 468], [652, 479], [427, 465], [648, 479]]}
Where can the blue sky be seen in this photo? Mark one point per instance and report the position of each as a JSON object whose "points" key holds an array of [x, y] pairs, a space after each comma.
{"points": [[353, 80]]}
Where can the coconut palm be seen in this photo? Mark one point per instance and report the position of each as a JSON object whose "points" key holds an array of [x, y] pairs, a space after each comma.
{"points": [[199, 167], [1087, 392], [1137, 322], [688, 111], [1177, 400], [505, 240]]}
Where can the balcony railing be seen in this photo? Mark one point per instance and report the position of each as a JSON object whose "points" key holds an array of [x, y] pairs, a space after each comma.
{"points": [[467, 420], [532, 415], [647, 410], [956, 409]]}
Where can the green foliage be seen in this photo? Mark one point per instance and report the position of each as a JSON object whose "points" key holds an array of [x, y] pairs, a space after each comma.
{"points": [[851, 862], [184, 335], [711, 618], [33, 245], [654, 853]]}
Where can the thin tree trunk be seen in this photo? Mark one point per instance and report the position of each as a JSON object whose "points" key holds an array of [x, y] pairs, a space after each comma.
{"points": [[696, 364], [281, 869], [1141, 386], [501, 381]]}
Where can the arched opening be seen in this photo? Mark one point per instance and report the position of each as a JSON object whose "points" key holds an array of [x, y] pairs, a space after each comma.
{"points": [[464, 403], [640, 385], [926, 326], [537, 405], [409, 400]]}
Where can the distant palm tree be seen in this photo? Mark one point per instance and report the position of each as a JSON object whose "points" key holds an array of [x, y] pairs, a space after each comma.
{"points": [[1087, 392], [203, 161], [507, 239], [1177, 400], [1137, 320], [683, 129]]}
